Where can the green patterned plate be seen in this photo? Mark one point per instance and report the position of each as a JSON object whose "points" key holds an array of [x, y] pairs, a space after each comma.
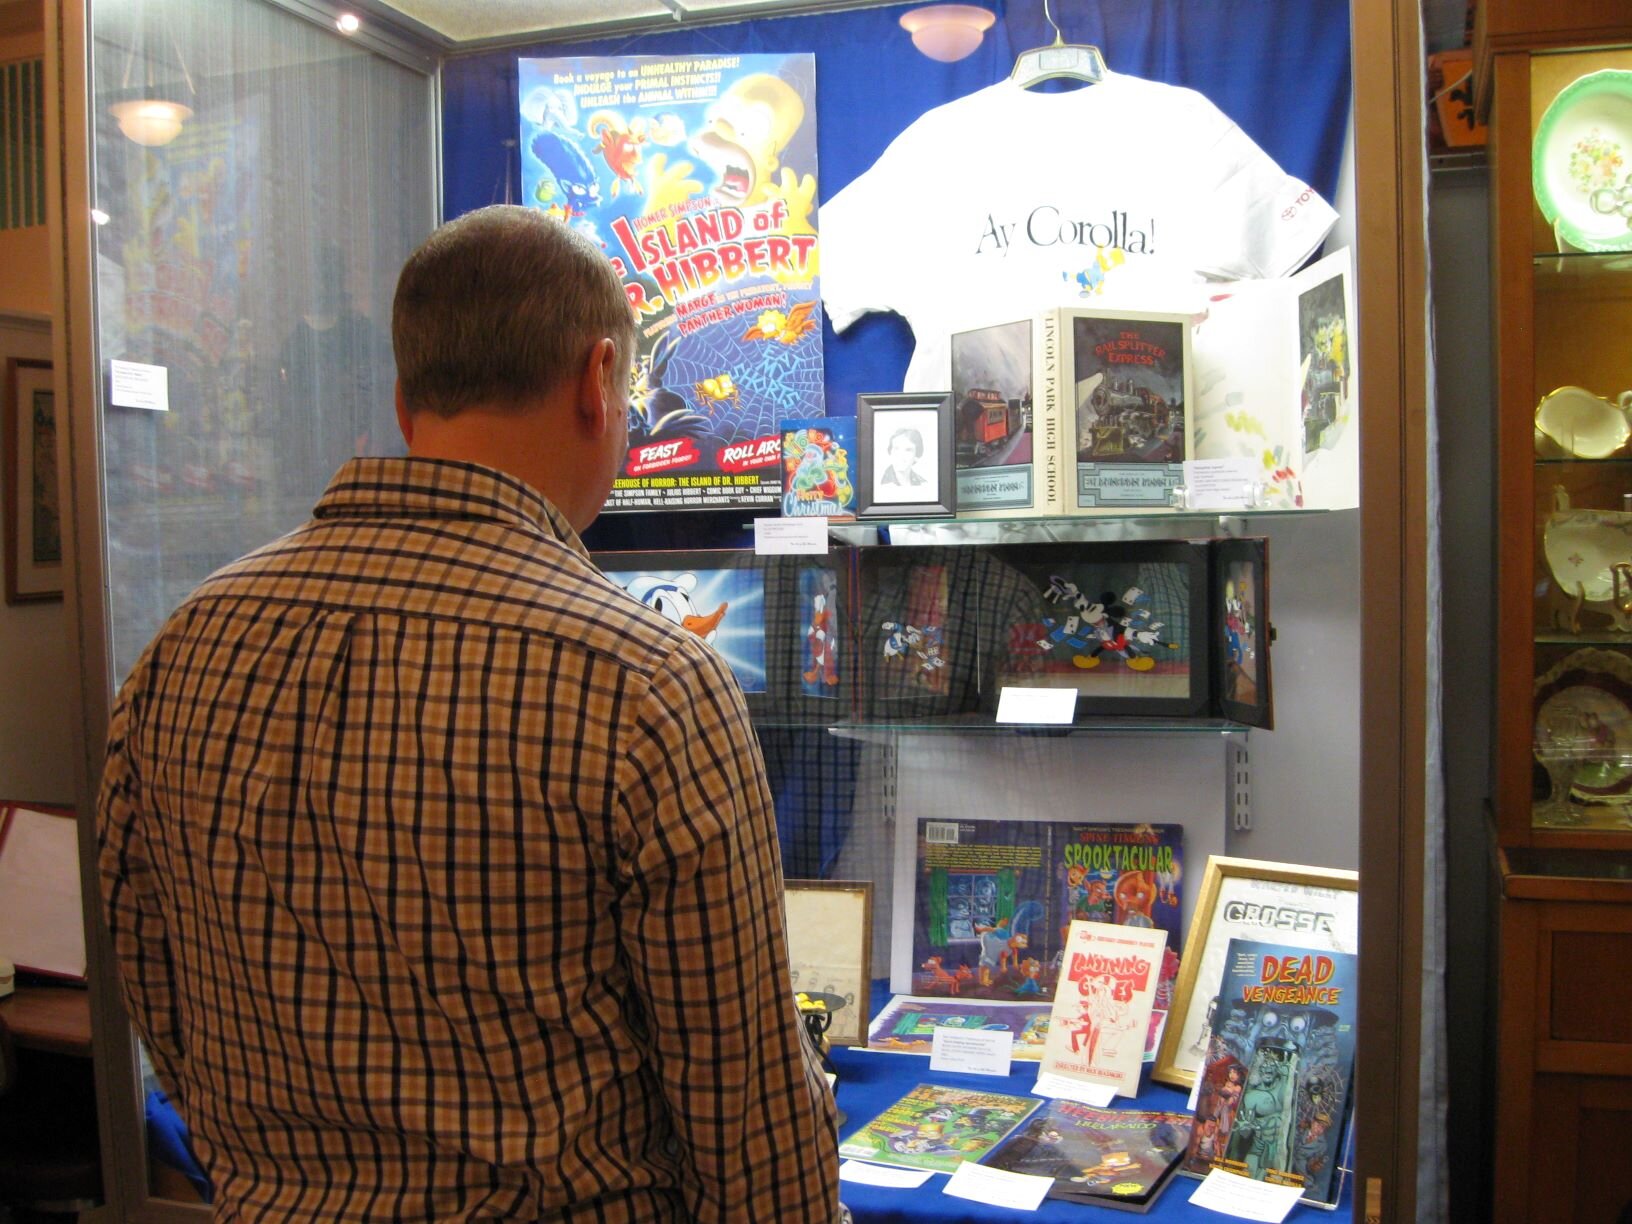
{"points": [[1581, 162]]}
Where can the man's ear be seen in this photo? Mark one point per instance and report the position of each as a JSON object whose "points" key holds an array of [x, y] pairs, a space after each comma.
{"points": [[405, 419], [595, 398]]}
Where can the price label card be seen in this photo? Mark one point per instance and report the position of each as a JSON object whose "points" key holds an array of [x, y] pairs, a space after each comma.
{"points": [[1036, 705], [971, 1051], [1220, 484], [134, 385], [783, 537]]}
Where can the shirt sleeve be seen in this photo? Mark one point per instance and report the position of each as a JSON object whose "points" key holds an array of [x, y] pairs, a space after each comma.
{"points": [[1266, 222], [702, 926], [130, 897]]}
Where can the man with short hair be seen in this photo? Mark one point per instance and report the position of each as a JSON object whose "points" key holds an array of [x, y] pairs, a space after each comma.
{"points": [[442, 875]]}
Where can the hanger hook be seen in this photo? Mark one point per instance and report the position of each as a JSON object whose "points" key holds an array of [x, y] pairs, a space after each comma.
{"points": [[1049, 17]]}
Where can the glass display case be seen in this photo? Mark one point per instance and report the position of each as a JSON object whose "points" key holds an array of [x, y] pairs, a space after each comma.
{"points": [[159, 505], [1561, 131]]}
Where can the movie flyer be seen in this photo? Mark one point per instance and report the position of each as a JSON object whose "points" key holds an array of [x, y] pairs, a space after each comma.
{"points": [[697, 175], [1101, 1020]]}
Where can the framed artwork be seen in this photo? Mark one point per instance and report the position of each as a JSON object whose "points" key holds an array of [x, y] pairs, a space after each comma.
{"points": [[1280, 903], [907, 458], [33, 516], [719, 595], [1241, 603], [1123, 623], [830, 936], [783, 624]]}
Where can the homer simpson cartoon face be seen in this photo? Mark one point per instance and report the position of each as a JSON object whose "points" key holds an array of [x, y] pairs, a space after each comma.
{"points": [[746, 128]]}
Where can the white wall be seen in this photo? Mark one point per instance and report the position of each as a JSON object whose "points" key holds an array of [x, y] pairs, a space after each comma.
{"points": [[36, 750]]}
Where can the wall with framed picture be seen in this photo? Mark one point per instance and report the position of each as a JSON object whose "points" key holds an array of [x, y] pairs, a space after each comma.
{"points": [[33, 514]]}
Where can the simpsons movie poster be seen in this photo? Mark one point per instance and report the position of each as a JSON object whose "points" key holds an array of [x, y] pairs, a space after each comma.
{"points": [[697, 176]]}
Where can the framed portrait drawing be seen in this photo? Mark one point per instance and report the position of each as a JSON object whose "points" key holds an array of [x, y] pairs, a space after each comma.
{"points": [[830, 935], [906, 447], [1241, 612], [33, 517], [1124, 623], [1278, 903]]}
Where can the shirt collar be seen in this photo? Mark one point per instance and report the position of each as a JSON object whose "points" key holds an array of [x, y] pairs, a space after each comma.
{"points": [[441, 488]]}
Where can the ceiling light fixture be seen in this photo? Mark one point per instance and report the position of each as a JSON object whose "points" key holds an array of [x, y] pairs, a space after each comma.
{"points": [[150, 119], [348, 23], [947, 32]]}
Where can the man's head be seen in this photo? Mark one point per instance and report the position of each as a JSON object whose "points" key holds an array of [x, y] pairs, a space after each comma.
{"points": [[513, 341]]}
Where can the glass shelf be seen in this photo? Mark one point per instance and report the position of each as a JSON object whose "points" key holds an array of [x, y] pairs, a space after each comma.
{"points": [[975, 724], [1606, 638], [1575, 461], [866, 533], [1561, 270]]}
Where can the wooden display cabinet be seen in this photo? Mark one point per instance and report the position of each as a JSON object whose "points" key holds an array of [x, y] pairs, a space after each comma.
{"points": [[1563, 787]]}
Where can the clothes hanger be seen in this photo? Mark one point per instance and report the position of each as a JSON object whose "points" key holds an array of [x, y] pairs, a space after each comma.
{"points": [[1059, 60]]}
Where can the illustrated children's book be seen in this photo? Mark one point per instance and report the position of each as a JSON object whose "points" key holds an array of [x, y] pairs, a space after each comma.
{"points": [[1100, 1024], [1008, 457], [990, 901], [1107, 1157], [938, 1128], [697, 175], [907, 1025], [1274, 1100], [817, 461]]}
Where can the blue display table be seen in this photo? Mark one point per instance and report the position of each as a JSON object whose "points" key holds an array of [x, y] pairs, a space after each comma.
{"points": [[869, 1083]]}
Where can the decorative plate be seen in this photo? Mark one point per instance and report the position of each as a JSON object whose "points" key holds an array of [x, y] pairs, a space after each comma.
{"points": [[1584, 424], [1583, 549], [1581, 162], [1584, 720]]}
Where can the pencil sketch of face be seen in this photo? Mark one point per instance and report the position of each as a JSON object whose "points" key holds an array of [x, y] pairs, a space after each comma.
{"points": [[905, 468]]}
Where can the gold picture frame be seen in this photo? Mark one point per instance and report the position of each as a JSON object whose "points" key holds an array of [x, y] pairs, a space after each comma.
{"points": [[830, 942], [33, 517], [1313, 907]]}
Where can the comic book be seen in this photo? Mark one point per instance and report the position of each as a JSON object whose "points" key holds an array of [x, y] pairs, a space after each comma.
{"points": [[1276, 1090], [938, 1128], [1120, 1158], [1100, 1026], [697, 175], [817, 461], [991, 901], [907, 1025]]}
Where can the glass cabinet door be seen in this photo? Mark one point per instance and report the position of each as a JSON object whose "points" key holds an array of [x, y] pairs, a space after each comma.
{"points": [[1581, 365], [258, 180]]}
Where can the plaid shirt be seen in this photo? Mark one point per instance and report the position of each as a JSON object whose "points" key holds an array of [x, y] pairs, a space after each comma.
{"points": [[443, 879]]}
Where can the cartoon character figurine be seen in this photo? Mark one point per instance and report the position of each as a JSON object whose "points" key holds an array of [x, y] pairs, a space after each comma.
{"points": [[822, 643]]}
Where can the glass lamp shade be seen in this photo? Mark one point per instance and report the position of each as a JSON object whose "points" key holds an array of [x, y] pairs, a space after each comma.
{"points": [[148, 121], [947, 32]]}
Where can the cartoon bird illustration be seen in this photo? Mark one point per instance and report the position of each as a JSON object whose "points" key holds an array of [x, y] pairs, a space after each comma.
{"points": [[619, 146], [670, 597], [789, 328]]}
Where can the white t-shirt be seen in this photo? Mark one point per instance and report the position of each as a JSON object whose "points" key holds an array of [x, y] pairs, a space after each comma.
{"points": [[996, 206]]}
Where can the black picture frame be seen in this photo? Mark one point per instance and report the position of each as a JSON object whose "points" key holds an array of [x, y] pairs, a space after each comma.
{"points": [[1241, 615], [902, 419], [769, 631], [1082, 627]]}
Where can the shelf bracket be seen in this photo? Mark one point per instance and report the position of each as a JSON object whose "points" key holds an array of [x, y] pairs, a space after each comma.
{"points": [[1238, 782]]}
